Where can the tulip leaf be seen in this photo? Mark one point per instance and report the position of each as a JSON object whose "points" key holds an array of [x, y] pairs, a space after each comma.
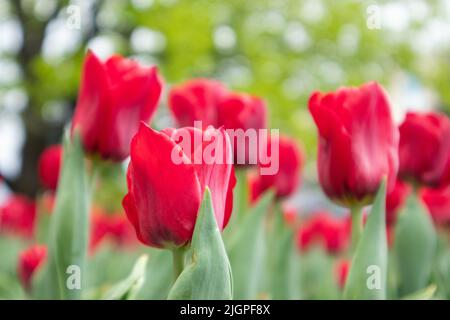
{"points": [[241, 199], [129, 288], [318, 279], [68, 234], [368, 271], [285, 275], [424, 294], [159, 276], [415, 246], [247, 250], [207, 274]]}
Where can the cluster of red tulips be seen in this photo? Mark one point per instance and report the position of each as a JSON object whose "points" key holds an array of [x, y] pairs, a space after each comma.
{"points": [[228, 227]]}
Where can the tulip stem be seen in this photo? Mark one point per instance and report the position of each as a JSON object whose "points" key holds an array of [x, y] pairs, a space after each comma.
{"points": [[178, 262], [357, 225]]}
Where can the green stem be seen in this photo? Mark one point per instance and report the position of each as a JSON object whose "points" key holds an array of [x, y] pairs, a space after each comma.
{"points": [[357, 226], [178, 262]]}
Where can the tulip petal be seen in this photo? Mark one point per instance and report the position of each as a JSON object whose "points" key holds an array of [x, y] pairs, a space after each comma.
{"points": [[135, 92], [91, 101], [166, 200]]}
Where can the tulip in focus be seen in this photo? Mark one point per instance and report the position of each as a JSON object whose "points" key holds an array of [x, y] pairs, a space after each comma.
{"points": [[424, 149], [18, 216], [30, 260], [49, 166], [166, 181], [114, 97]]}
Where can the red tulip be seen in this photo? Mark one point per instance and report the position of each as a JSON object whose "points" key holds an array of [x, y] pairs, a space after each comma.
{"points": [[395, 200], [341, 270], [196, 100], [18, 216], [286, 180], [290, 215], [115, 96], [49, 166], [210, 102], [166, 181], [113, 227], [438, 203], [424, 148], [358, 142], [326, 230], [30, 260]]}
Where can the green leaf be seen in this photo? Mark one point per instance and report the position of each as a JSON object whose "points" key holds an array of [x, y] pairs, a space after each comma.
{"points": [[318, 279], [285, 273], [424, 294], [368, 271], [208, 274], [241, 200], [415, 246], [69, 225], [129, 288], [159, 277], [247, 251]]}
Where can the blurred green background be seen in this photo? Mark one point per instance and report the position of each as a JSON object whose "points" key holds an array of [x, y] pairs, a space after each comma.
{"points": [[280, 50]]}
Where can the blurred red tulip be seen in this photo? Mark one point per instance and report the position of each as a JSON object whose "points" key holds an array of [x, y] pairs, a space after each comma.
{"points": [[163, 196], [287, 179], [341, 271], [324, 229], [18, 215], [358, 142], [49, 166], [424, 148], [395, 200], [212, 103], [115, 96], [290, 215], [196, 100], [438, 203], [30, 260], [113, 227]]}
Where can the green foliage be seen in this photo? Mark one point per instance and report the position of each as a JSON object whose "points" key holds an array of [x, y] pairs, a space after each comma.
{"points": [[247, 250], [415, 246], [69, 226], [370, 259], [129, 288], [283, 261], [207, 274]]}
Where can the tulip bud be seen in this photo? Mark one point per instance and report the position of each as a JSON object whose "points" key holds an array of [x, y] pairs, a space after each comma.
{"points": [[30, 260], [113, 227], [210, 102], [196, 100], [167, 176], [429, 133], [395, 200], [341, 270], [438, 204], [324, 229], [115, 96], [49, 166], [18, 216], [286, 179], [358, 143]]}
